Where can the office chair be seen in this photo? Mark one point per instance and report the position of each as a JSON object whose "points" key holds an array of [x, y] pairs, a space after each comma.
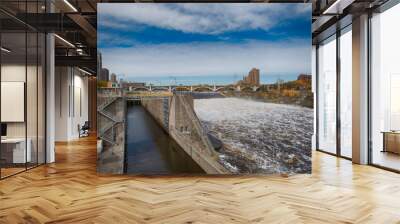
{"points": [[84, 130]]}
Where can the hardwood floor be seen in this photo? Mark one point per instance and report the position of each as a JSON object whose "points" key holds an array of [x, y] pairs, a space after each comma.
{"points": [[387, 159], [70, 191], [5, 172]]}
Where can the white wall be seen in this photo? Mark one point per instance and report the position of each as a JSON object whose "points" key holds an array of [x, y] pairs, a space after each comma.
{"points": [[14, 72], [17, 73], [71, 94], [62, 81], [13, 101], [80, 115]]}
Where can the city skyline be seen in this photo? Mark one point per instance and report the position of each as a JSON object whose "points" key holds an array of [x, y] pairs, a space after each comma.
{"points": [[204, 39], [198, 80]]}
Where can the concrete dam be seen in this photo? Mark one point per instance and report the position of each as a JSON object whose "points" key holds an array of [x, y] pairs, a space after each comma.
{"points": [[143, 146]]}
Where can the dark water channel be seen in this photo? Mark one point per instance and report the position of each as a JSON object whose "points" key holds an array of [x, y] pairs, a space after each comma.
{"points": [[150, 150]]}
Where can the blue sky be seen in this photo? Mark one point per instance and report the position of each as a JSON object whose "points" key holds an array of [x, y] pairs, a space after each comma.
{"points": [[150, 39]]}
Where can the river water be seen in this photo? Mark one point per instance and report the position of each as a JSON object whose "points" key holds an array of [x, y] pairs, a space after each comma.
{"points": [[259, 137], [150, 150]]}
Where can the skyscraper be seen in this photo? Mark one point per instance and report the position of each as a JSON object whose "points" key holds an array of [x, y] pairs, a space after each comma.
{"points": [[113, 77], [104, 75], [253, 78]]}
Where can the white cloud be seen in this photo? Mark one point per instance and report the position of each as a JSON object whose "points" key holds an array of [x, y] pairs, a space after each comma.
{"points": [[106, 22], [216, 58], [113, 39], [202, 18]]}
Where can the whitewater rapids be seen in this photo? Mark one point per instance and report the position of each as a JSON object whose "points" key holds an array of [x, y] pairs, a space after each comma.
{"points": [[259, 137]]}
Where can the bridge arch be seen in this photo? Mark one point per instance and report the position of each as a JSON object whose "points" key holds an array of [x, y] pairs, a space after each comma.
{"points": [[200, 88], [140, 89], [223, 88], [181, 88], [159, 89]]}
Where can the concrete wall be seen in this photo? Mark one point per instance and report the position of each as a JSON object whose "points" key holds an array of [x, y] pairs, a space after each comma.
{"points": [[50, 94], [111, 157], [185, 128], [183, 121], [156, 108]]}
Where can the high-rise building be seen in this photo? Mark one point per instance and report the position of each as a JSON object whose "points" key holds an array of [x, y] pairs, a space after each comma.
{"points": [[113, 77], [104, 75], [253, 78], [304, 77]]}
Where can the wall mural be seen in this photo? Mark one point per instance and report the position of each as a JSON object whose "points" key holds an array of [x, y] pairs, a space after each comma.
{"points": [[204, 88]]}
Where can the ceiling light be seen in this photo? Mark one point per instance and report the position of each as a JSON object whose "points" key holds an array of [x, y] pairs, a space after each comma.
{"points": [[70, 5], [338, 6], [86, 72], [64, 40], [5, 50], [79, 51], [331, 7]]}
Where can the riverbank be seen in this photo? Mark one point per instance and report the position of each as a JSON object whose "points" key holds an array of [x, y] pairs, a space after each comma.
{"points": [[305, 100], [296, 92]]}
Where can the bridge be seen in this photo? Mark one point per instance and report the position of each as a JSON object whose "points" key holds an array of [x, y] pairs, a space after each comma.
{"points": [[195, 88]]}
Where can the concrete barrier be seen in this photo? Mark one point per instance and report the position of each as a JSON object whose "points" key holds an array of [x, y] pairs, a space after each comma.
{"points": [[176, 115], [159, 110]]}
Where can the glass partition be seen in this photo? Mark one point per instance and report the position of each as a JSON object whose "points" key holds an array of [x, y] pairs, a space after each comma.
{"points": [[41, 97], [346, 93], [22, 67], [385, 89], [327, 95], [13, 94], [31, 97]]}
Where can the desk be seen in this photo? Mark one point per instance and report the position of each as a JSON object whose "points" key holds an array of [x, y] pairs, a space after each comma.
{"points": [[13, 150], [391, 141]]}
